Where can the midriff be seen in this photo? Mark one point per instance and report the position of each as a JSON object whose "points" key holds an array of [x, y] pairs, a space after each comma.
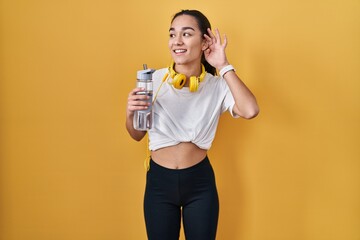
{"points": [[180, 156]]}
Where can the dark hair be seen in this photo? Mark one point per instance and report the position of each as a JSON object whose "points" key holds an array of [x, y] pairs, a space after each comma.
{"points": [[203, 24]]}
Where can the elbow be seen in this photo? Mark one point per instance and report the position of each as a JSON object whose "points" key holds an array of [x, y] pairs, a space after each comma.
{"points": [[136, 135], [136, 138], [247, 110], [251, 113]]}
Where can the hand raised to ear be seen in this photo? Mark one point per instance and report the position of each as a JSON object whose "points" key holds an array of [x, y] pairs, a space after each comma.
{"points": [[215, 52]]}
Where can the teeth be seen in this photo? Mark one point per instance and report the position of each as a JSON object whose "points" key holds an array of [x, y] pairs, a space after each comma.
{"points": [[180, 51]]}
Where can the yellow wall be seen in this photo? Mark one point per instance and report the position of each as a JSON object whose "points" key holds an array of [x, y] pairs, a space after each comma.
{"points": [[69, 171]]}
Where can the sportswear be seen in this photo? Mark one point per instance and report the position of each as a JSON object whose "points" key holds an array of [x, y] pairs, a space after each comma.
{"points": [[189, 193]]}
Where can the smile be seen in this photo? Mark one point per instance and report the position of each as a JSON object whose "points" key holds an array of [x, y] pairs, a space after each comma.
{"points": [[179, 50]]}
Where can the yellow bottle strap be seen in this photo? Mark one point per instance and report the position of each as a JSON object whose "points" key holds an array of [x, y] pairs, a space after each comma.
{"points": [[158, 90], [147, 159], [148, 155]]}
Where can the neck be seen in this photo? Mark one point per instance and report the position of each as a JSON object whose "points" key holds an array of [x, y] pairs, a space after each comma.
{"points": [[188, 70]]}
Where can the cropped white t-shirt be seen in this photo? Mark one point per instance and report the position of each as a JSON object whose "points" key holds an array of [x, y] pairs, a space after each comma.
{"points": [[184, 116]]}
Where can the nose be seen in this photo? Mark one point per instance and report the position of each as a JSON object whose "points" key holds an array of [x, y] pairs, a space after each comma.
{"points": [[178, 40]]}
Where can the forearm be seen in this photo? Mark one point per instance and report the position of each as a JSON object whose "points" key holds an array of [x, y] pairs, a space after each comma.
{"points": [[245, 101], [135, 134]]}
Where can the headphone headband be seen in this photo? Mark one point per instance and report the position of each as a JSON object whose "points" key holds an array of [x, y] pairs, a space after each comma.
{"points": [[179, 79]]}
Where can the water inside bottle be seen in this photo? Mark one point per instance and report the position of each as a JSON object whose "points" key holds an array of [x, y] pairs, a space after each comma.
{"points": [[143, 119]]}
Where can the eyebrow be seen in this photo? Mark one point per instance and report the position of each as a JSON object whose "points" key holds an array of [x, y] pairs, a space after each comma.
{"points": [[183, 28]]}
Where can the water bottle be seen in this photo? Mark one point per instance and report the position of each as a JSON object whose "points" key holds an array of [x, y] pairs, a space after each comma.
{"points": [[143, 119]]}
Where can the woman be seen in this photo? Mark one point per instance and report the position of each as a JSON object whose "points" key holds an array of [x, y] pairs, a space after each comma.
{"points": [[189, 101]]}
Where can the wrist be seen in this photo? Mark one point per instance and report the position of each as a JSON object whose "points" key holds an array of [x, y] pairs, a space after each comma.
{"points": [[225, 69], [221, 66]]}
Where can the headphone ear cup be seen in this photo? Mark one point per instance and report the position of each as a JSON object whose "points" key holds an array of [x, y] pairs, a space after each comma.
{"points": [[194, 84], [179, 81]]}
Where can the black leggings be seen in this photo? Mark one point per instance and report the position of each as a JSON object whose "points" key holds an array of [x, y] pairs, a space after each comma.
{"points": [[189, 192]]}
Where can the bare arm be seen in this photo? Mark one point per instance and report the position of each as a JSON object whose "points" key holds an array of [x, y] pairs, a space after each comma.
{"points": [[245, 102], [135, 102]]}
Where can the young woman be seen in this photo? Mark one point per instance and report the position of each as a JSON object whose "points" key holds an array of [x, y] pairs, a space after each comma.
{"points": [[180, 181]]}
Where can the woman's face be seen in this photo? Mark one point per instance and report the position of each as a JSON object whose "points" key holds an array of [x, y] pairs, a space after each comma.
{"points": [[186, 42]]}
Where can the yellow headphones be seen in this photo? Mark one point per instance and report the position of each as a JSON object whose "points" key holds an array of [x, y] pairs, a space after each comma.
{"points": [[179, 79]]}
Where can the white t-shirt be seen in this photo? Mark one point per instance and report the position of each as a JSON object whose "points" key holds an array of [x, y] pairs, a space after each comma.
{"points": [[184, 116]]}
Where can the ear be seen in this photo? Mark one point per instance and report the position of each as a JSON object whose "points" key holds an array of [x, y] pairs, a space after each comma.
{"points": [[205, 45]]}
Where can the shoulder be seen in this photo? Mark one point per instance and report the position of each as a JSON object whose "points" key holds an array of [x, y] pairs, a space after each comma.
{"points": [[209, 77], [159, 74], [215, 81]]}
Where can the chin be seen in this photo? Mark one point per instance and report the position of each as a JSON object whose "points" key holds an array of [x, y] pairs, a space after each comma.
{"points": [[178, 61], [182, 60]]}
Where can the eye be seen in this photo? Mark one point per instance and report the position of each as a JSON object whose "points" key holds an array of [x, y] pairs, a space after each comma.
{"points": [[171, 35], [186, 34]]}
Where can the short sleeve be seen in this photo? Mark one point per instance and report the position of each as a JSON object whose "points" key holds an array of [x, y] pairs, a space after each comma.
{"points": [[229, 102]]}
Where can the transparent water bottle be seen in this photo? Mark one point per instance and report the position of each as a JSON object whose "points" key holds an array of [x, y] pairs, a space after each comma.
{"points": [[143, 119]]}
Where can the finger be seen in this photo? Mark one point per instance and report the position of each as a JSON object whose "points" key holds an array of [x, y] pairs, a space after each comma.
{"points": [[135, 91], [217, 32], [138, 89], [213, 38], [207, 38], [225, 41], [137, 108], [138, 98], [137, 105]]}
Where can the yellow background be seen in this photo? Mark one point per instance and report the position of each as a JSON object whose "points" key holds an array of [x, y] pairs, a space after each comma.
{"points": [[69, 171]]}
